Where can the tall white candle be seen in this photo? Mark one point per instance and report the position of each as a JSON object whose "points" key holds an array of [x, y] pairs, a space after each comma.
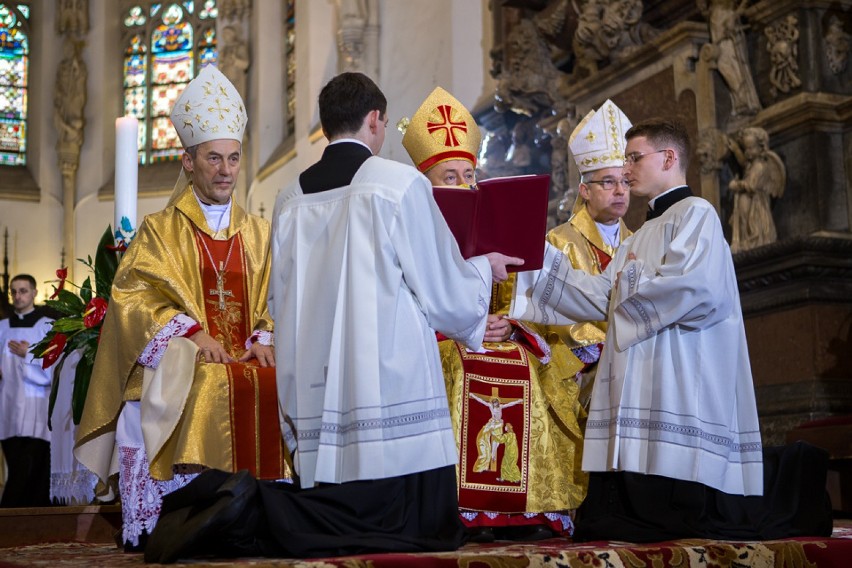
{"points": [[126, 169]]}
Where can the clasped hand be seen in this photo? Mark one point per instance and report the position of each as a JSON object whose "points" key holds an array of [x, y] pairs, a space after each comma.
{"points": [[211, 351]]}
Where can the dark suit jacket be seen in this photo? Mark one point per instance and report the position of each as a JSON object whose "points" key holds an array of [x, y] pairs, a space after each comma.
{"points": [[336, 168]]}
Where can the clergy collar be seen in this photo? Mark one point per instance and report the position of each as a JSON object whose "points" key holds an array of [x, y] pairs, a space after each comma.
{"points": [[351, 141], [660, 203], [217, 215], [28, 319]]}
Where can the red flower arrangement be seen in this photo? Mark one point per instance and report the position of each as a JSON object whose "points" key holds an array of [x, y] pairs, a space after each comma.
{"points": [[80, 327]]}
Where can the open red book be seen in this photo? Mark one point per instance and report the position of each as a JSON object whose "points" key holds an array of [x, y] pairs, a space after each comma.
{"points": [[506, 214]]}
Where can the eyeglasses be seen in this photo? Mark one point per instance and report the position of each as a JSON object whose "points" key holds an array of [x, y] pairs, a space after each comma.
{"points": [[608, 184], [634, 157]]}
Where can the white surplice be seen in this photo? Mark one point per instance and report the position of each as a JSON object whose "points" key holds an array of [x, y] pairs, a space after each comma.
{"points": [[361, 277], [674, 393]]}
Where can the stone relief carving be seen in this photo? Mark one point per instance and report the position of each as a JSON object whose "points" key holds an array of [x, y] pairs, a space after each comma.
{"points": [[357, 36], [530, 81], [234, 9], [72, 16], [836, 45], [234, 59], [712, 148], [69, 100], [352, 15], [728, 52], [763, 179], [783, 46], [607, 29]]}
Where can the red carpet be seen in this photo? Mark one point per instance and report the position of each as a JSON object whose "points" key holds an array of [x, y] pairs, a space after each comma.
{"points": [[835, 552]]}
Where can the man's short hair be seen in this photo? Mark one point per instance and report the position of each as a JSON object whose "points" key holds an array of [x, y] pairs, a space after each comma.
{"points": [[346, 100], [26, 277], [664, 133]]}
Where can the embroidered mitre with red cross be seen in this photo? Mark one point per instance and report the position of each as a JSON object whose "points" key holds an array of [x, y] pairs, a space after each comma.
{"points": [[442, 129]]}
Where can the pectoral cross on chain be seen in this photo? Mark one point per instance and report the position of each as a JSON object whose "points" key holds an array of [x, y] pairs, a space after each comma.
{"points": [[220, 287]]}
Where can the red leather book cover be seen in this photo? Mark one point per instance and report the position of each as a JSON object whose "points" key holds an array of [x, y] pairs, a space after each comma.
{"points": [[507, 215]]}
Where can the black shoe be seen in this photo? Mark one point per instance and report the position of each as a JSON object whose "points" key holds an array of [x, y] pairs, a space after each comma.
{"points": [[528, 533], [480, 534], [196, 529]]}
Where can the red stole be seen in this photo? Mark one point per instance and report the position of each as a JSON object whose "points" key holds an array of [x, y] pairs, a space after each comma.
{"points": [[255, 431]]}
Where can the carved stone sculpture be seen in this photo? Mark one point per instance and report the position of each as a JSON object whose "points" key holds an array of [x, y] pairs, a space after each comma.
{"points": [[783, 46], [72, 16], [763, 179], [623, 26], [607, 29], [234, 59], [69, 100], [711, 149], [728, 52], [234, 9], [530, 81], [837, 44], [352, 15]]}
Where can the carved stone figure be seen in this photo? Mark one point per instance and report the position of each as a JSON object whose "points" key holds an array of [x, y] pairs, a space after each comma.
{"points": [[728, 52], [234, 59], [837, 43], [607, 29], [234, 9], [530, 81], [588, 43], [352, 15], [783, 46], [72, 16], [624, 29], [69, 100], [764, 177], [711, 149]]}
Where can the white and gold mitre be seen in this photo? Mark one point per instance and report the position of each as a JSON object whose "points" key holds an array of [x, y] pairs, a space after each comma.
{"points": [[210, 108], [442, 129], [598, 141]]}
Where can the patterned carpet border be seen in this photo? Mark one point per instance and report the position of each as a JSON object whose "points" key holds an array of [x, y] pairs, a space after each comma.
{"points": [[832, 552]]}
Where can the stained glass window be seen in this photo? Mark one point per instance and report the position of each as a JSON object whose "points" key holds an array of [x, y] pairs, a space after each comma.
{"points": [[14, 68], [290, 61], [164, 47]]}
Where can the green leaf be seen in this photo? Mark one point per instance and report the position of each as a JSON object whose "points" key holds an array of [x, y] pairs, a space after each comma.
{"points": [[54, 390], [68, 324], [68, 303], [86, 290], [82, 376], [106, 263], [85, 339]]}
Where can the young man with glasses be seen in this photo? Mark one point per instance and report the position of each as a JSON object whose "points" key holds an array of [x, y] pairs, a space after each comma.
{"points": [[672, 439]]}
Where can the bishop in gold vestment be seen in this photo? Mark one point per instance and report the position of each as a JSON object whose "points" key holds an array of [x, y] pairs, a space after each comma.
{"points": [[524, 481], [160, 407]]}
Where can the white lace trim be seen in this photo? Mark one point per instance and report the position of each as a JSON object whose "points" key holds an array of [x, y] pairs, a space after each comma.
{"points": [[153, 352], [73, 488], [262, 336], [141, 495]]}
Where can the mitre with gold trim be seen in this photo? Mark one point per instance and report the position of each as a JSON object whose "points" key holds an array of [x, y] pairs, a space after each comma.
{"points": [[210, 108], [442, 129], [598, 141]]}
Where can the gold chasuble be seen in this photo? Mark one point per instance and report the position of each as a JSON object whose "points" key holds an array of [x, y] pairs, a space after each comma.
{"points": [[229, 414], [516, 421], [581, 243]]}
